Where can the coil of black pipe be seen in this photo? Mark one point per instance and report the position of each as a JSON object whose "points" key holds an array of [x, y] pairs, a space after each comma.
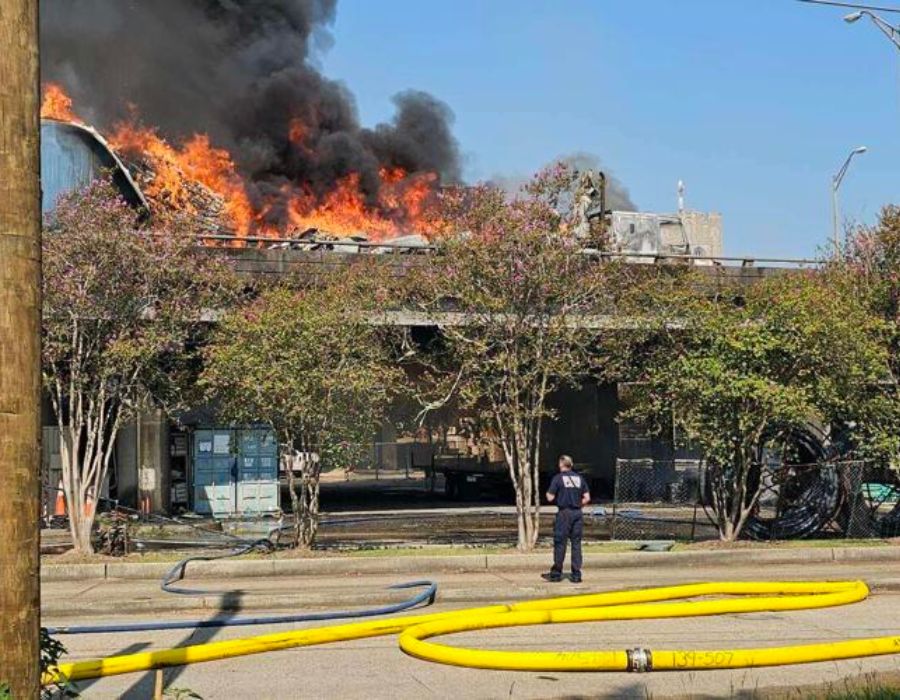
{"points": [[810, 489], [807, 486]]}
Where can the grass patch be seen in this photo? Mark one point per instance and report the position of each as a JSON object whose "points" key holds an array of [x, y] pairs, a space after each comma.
{"points": [[413, 550], [869, 687], [874, 693]]}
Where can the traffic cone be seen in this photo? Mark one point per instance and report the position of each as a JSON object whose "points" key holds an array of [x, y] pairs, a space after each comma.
{"points": [[59, 507]]}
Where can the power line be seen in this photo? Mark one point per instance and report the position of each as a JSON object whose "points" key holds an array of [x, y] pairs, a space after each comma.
{"points": [[852, 5]]}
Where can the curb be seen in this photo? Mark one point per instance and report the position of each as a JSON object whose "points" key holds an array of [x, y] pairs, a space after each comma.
{"points": [[468, 563], [328, 600]]}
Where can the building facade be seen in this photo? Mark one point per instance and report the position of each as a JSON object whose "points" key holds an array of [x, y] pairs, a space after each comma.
{"points": [[192, 462]]}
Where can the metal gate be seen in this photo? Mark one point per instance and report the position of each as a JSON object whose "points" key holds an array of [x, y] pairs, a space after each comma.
{"points": [[235, 472]]}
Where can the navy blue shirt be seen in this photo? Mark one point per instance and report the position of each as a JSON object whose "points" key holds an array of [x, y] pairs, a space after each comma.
{"points": [[568, 487]]}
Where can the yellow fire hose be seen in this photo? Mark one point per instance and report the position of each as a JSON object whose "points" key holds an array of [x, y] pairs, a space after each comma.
{"points": [[625, 605]]}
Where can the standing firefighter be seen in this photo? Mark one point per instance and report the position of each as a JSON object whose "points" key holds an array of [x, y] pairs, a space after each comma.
{"points": [[570, 492]]}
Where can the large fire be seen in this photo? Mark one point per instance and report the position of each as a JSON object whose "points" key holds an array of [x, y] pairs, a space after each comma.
{"points": [[176, 176]]}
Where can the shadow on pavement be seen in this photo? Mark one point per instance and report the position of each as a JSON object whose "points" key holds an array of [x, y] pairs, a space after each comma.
{"points": [[81, 686], [229, 606]]}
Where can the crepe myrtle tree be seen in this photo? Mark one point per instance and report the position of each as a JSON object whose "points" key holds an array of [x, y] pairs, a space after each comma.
{"points": [[122, 304], [309, 362], [741, 371], [527, 294], [870, 262]]}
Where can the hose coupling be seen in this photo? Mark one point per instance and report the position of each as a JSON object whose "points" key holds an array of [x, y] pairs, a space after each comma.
{"points": [[639, 660]]}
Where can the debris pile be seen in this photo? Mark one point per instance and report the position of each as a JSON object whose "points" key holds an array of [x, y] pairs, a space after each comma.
{"points": [[168, 190], [315, 239]]}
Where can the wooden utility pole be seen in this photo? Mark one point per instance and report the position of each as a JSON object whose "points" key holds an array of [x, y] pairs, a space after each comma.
{"points": [[20, 378]]}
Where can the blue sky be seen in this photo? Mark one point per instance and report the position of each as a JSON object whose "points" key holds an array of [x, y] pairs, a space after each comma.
{"points": [[753, 103]]}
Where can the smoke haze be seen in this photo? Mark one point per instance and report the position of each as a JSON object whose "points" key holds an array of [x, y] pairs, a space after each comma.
{"points": [[617, 196]]}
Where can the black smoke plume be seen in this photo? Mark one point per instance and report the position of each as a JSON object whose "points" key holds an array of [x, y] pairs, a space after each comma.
{"points": [[241, 71]]}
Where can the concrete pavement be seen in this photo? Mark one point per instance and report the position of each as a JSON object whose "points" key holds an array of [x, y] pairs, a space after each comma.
{"points": [[377, 668], [98, 597]]}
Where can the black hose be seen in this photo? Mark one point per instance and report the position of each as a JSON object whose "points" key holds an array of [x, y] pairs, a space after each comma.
{"points": [[176, 573], [889, 525], [427, 596]]}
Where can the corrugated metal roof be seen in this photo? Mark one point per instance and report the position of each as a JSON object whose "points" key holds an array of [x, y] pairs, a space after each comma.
{"points": [[73, 156]]}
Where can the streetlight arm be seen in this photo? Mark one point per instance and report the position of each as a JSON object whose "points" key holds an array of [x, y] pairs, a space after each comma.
{"points": [[836, 181], [839, 177], [889, 30]]}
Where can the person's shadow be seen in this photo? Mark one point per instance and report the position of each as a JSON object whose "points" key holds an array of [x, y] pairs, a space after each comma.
{"points": [[229, 606]]}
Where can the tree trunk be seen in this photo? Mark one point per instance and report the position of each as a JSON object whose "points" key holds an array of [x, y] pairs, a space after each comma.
{"points": [[535, 504], [515, 474], [730, 495], [521, 518], [309, 504], [295, 501], [20, 378], [305, 499], [727, 532], [84, 474], [526, 500]]}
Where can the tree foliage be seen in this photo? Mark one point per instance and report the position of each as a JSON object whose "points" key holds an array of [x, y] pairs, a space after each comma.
{"points": [[122, 301], [522, 299], [310, 363], [741, 371], [870, 265]]}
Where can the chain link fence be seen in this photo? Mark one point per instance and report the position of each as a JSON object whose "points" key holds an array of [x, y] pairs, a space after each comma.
{"points": [[672, 500], [658, 500]]}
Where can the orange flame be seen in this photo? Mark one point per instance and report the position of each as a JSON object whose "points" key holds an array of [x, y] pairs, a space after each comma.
{"points": [[176, 171], [169, 184], [214, 168], [344, 210], [175, 168], [56, 104]]}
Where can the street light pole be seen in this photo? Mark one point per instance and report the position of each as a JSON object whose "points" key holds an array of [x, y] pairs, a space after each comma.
{"points": [[836, 181], [888, 29]]}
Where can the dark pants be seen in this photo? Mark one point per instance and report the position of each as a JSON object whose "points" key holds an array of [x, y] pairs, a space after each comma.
{"points": [[568, 526]]}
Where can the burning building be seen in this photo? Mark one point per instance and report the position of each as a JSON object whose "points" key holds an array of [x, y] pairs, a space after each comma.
{"points": [[219, 111], [197, 464], [216, 109], [203, 181]]}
